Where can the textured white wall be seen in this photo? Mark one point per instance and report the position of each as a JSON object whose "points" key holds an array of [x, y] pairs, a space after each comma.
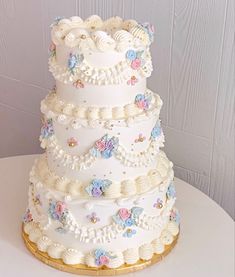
{"points": [[193, 58]]}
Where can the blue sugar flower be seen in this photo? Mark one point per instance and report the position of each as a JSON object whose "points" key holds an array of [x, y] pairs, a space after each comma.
{"points": [[171, 192], [156, 131], [131, 55], [129, 233], [56, 21], [74, 61], [99, 252], [129, 222], [106, 154], [97, 187], [47, 129]]}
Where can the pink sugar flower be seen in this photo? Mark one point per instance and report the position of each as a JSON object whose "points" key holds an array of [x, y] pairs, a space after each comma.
{"points": [[100, 145], [60, 207], [104, 260], [141, 104], [124, 213], [135, 64]]}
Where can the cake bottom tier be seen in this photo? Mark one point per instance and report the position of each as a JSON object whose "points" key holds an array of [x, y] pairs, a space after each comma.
{"points": [[158, 253], [99, 232]]}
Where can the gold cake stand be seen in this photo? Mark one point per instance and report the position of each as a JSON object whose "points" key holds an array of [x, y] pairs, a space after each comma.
{"points": [[93, 271]]}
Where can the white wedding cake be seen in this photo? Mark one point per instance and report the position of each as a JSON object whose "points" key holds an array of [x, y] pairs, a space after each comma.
{"points": [[102, 196]]}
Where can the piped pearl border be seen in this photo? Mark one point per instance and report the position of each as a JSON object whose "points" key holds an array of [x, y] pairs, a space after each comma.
{"points": [[107, 117], [41, 173]]}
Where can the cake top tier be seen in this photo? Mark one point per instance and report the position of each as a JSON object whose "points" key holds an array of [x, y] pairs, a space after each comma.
{"points": [[113, 34]]}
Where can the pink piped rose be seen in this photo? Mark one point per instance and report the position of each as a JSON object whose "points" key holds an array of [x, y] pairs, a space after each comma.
{"points": [[124, 213], [135, 64], [104, 260], [100, 145], [142, 105]]}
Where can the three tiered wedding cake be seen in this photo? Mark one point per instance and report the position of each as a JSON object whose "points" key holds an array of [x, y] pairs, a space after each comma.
{"points": [[102, 196]]}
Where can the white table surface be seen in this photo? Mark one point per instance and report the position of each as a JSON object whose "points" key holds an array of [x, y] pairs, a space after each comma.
{"points": [[205, 247]]}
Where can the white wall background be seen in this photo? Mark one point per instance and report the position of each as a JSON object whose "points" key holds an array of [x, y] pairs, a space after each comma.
{"points": [[193, 58]]}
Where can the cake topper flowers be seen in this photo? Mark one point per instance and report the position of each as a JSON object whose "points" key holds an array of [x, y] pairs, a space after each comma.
{"points": [[105, 147], [149, 29], [97, 187]]}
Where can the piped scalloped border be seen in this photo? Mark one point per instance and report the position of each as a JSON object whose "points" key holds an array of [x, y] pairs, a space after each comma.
{"points": [[107, 117], [116, 74], [103, 35], [73, 261], [40, 173]]}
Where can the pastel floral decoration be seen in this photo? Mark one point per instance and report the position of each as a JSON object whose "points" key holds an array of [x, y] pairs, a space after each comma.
{"points": [[135, 59], [72, 142], [47, 129], [158, 204], [132, 81], [171, 192], [149, 29], [127, 218], [142, 101], [78, 84], [131, 55], [28, 216], [156, 131], [102, 257], [97, 187], [74, 61], [56, 21], [140, 138], [52, 49], [175, 216], [124, 213], [58, 211], [129, 233], [105, 147], [37, 200], [136, 64], [93, 218]]}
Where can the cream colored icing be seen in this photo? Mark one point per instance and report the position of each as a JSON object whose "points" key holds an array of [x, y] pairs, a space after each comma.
{"points": [[95, 33], [129, 256], [78, 116], [41, 173]]}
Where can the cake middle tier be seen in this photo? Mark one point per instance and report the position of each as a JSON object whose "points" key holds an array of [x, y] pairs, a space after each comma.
{"points": [[114, 153]]}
